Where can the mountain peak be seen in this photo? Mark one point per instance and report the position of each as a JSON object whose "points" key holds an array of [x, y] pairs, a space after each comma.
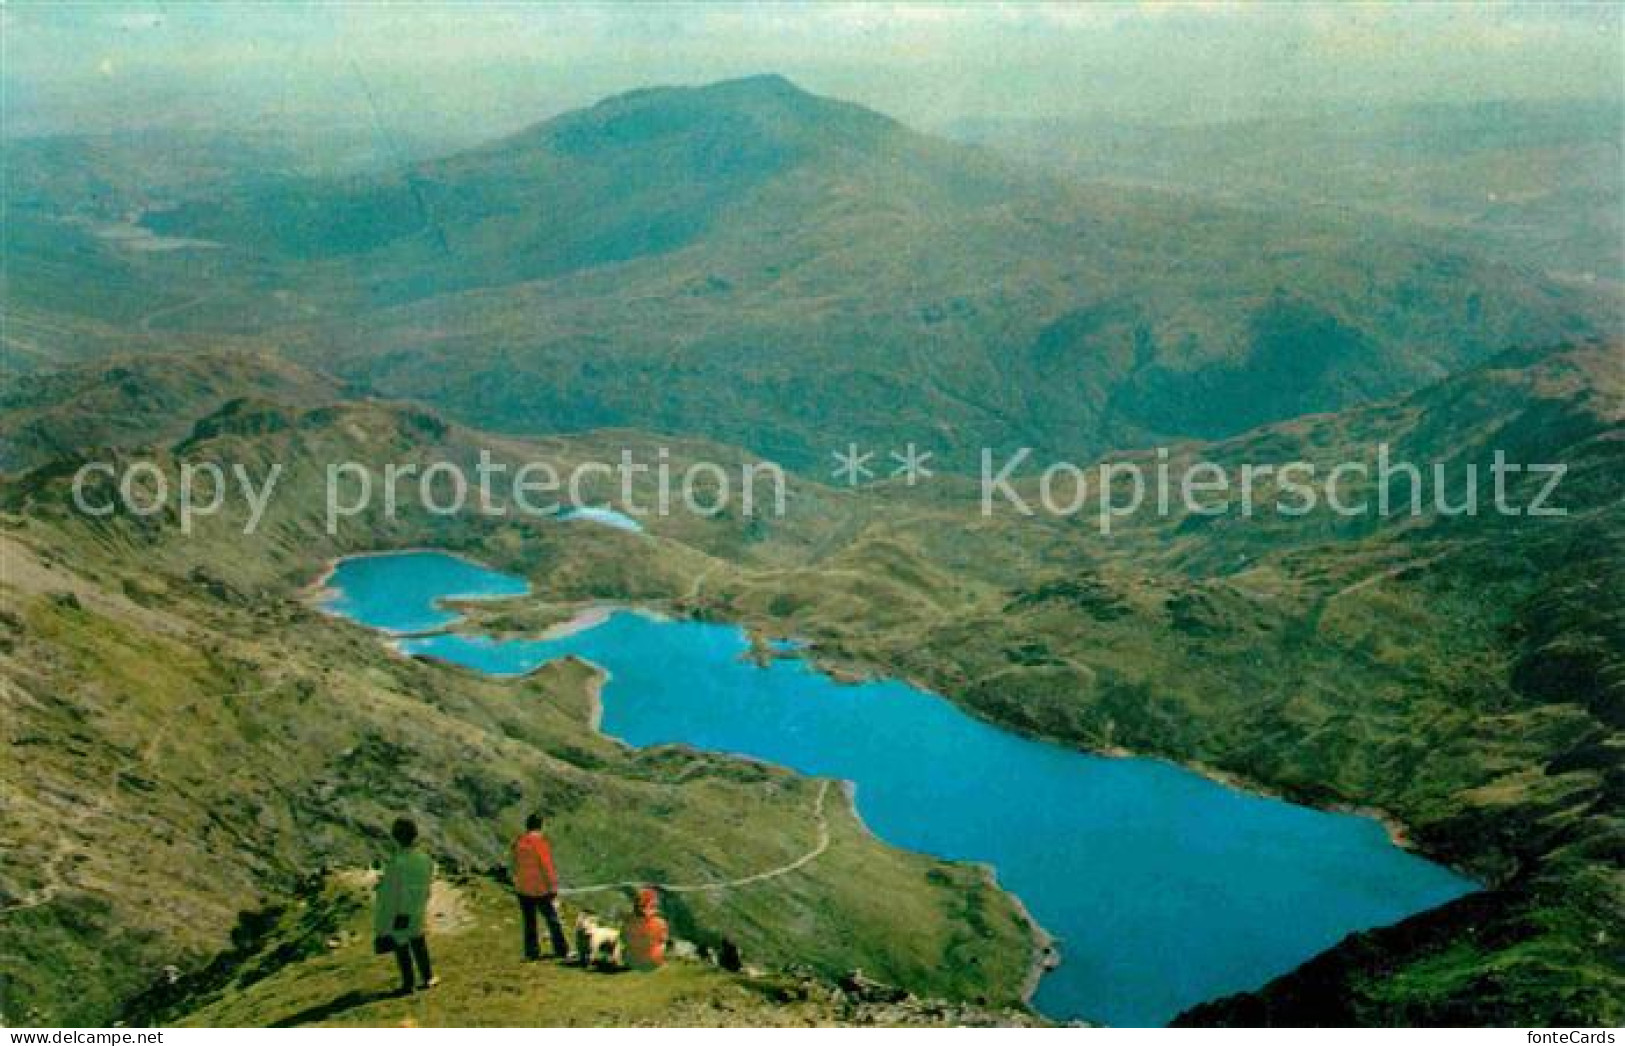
{"points": [[759, 82], [757, 85], [747, 128], [764, 103]]}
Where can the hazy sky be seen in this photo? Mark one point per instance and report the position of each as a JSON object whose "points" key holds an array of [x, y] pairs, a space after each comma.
{"points": [[481, 68]]}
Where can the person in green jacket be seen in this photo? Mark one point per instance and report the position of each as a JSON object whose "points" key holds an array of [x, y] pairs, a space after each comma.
{"points": [[400, 908]]}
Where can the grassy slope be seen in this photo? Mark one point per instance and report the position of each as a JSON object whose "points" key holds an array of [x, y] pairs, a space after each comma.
{"points": [[906, 291], [1462, 676], [134, 399], [138, 667], [338, 981]]}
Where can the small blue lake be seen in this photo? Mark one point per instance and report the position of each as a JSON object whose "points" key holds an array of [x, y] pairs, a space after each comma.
{"points": [[606, 517], [1163, 888], [400, 592]]}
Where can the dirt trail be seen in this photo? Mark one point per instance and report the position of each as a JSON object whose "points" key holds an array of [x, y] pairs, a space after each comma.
{"points": [[51, 869], [728, 884], [145, 323], [448, 910], [1385, 575], [698, 585]]}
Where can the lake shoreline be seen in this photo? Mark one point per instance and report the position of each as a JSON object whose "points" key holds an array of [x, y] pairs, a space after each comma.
{"points": [[1399, 833], [595, 698], [591, 615], [1044, 951], [319, 592], [1044, 954]]}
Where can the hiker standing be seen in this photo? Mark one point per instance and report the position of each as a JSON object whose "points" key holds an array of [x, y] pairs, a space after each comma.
{"points": [[536, 882], [643, 938], [400, 907]]}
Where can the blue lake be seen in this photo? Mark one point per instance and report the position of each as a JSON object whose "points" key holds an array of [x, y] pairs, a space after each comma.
{"points": [[400, 592], [1164, 889]]}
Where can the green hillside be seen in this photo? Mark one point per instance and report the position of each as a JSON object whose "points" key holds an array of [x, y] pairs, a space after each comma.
{"points": [[196, 740], [755, 264], [132, 400], [1462, 676], [311, 963]]}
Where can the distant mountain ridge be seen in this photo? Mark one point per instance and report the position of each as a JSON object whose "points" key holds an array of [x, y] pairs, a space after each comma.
{"points": [[1536, 181], [638, 174], [753, 263]]}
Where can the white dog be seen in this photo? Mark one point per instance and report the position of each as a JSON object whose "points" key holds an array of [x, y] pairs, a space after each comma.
{"points": [[595, 942]]}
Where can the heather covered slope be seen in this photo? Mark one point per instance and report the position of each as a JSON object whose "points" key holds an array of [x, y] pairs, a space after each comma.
{"points": [[759, 265]]}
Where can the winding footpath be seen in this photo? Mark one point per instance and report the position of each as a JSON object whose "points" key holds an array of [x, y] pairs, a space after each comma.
{"points": [[55, 881], [728, 884], [146, 322]]}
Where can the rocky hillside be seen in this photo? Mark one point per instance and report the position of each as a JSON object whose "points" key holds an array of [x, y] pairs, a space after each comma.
{"points": [[135, 399]]}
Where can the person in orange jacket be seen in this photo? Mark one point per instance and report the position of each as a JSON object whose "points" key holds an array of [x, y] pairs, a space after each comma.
{"points": [[536, 883], [643, 937]]}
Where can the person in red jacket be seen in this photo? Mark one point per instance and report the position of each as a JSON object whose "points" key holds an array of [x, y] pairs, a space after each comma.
{"points": [[643, 937], [536, 882]]}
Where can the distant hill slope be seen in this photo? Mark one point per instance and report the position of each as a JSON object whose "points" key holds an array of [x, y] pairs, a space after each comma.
{"points": [[134, 399], [784, 272], [1541, 182]]}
